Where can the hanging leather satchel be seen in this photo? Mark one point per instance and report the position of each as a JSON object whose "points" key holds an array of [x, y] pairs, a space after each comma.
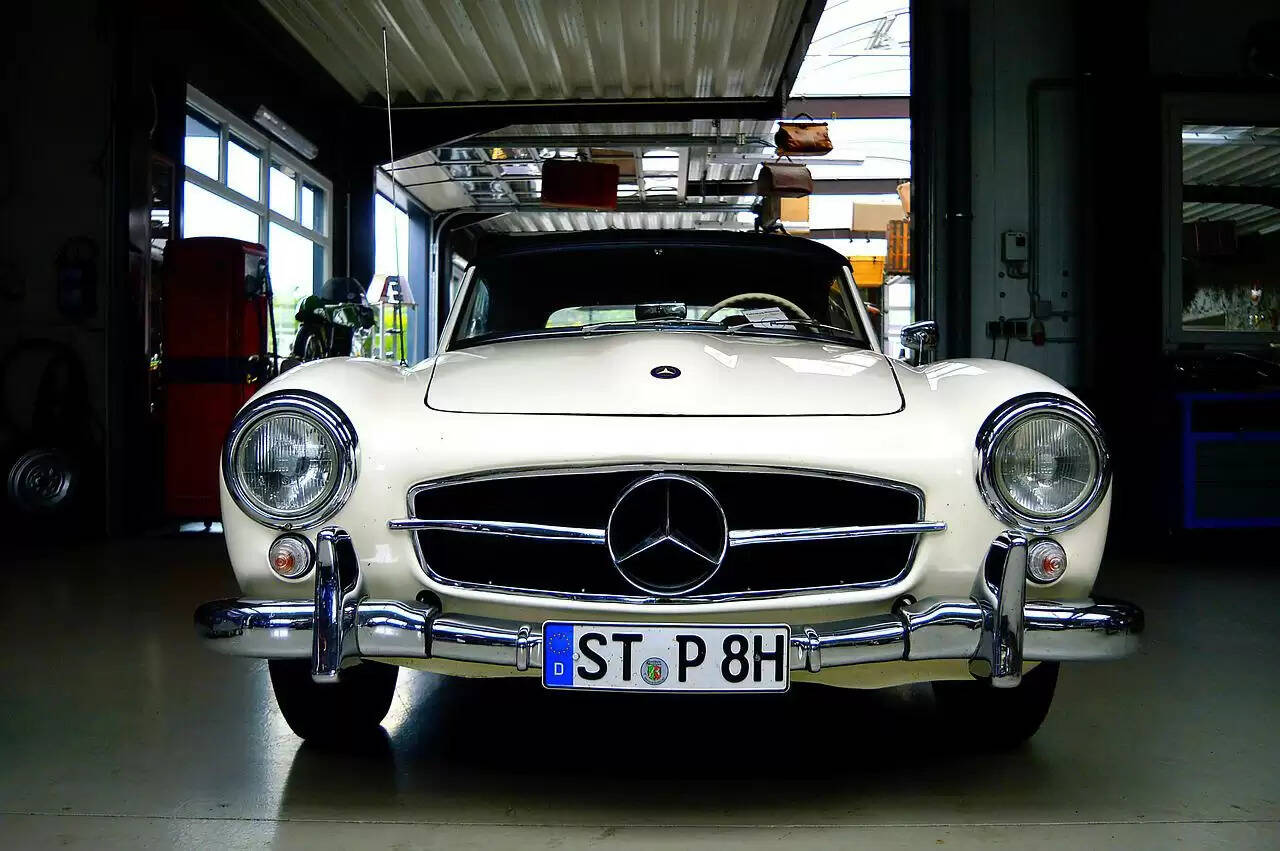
{"points": [[784, 180], [802, 137]]}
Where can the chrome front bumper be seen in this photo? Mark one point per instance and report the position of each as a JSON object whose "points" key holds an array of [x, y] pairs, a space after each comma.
{"points": [[995, 629]]}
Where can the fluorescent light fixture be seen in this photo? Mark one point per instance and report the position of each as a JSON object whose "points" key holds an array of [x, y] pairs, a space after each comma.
{"points": [[285, 133]]}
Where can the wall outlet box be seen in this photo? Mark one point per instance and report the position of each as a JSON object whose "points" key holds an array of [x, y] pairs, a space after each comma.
{"points": [[1013, 246]]}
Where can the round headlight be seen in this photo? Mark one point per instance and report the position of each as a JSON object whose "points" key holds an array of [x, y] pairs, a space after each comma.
{"points": [[1042, 463], [1045, 465], [290, 459]]}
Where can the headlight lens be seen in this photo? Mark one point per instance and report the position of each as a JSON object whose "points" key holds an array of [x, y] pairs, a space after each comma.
{"points": [[1042, 463], [1045, 465], [290, 459], [287, 464]]}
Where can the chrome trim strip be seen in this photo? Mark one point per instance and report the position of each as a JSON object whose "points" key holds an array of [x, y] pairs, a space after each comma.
{"points": [[393, 628], [1000, 589], [329, 418], [502, 528], [933, 628], [658, 467], [745, 537], [737, 538], [1054, 631], [336, 599], [1004, 418], [1084, 631]]}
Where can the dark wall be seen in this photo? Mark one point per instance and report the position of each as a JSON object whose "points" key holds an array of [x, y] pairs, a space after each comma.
{"points": [[57, 238], [93, 88], [240, 56], [1143, 51]]}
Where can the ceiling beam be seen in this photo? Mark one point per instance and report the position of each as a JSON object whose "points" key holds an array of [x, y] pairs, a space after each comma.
{"points": [[1267, 196], [646, 207], [433, 125], [844, 233], [640, 140], [852, 106], [845, 186]]}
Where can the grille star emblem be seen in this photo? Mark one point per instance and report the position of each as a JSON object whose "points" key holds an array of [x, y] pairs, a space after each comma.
{"points": [[665, 371], [667, 534]]}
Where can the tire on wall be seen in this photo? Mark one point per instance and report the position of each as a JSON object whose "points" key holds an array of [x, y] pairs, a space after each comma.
{"points": [[989, 718], [333, 713]]}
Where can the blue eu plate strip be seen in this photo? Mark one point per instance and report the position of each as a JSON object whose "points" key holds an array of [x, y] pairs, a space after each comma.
{"points": [[557, 654]]}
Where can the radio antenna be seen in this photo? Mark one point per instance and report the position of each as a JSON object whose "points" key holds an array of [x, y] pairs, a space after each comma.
{"points": [[396, 315]]}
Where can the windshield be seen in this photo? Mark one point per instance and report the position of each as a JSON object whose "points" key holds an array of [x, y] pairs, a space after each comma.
{"points": [[616, 289]]}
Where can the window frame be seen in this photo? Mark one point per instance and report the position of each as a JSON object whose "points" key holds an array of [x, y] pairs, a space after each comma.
{"points": [[230, 125], [1179, 109]]}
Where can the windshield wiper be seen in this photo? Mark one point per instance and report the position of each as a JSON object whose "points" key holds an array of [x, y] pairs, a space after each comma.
{"points": [[645, 325], [772, 324]]}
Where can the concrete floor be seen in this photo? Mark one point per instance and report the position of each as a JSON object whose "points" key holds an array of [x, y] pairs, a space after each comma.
{"points": [[118, 730]]}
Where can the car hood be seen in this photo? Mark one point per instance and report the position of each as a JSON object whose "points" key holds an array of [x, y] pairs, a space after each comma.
{"points": [[612, 374]]}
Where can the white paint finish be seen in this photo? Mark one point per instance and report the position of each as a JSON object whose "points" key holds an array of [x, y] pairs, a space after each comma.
{"points": [[721, 375], [929, 445]]}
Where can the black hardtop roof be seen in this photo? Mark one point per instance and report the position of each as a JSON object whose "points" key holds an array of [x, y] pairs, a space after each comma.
{"points": [[500, 245]]}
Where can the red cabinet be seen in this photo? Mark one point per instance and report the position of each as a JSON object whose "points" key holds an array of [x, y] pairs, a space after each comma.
{"points": [[215, 357]]}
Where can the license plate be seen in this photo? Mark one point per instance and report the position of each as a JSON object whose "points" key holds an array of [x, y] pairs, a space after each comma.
{"points": [[681, 657]]}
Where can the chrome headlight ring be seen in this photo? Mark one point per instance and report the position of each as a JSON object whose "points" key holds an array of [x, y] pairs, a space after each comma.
{"points": [[322, 413], [998, 425]]}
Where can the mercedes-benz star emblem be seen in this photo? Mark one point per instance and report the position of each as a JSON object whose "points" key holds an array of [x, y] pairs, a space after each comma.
{"points": [[665, 372], [667, 534]]}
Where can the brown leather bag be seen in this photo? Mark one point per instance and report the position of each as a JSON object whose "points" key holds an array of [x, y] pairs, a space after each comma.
{"points": [[784, 180], [802, 137]]}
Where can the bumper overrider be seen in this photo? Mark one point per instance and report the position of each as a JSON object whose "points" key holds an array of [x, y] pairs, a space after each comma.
{"points": [[996, 628]]}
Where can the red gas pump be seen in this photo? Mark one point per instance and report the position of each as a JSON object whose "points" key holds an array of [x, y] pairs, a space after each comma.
{"points": [[217, 324]]}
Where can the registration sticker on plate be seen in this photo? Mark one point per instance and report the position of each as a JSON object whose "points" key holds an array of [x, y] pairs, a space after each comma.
{"points": [[678, 657]]}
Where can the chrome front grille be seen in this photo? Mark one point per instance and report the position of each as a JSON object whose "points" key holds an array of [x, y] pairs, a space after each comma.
{"points": [[556, 532]]}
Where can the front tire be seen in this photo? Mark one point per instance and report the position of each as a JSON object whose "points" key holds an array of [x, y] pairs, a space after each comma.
{"points": [[989, 718], [333, 713]]}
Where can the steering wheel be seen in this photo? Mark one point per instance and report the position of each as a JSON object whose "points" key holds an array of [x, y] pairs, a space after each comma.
{"points": [[735, 300]]}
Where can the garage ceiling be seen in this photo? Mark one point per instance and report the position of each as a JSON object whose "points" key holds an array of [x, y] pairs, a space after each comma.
{"points": [[451, 51], [665, 178], [1232, 163]]}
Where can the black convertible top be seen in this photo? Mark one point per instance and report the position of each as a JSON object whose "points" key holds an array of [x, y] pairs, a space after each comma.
{"points": [[502, 245]]}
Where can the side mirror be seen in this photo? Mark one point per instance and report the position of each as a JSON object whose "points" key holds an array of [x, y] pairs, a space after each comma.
{"points": [[919, 338]]}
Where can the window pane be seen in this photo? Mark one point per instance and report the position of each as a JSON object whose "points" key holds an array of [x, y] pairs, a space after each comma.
{"points": [[244, 170], [1230, 229], [291, 264], [391, 237], [837, 211], [200, 147], [391, 232], [861, 48], [282, 191], [883, 145], [206, 214], [312, 207]]}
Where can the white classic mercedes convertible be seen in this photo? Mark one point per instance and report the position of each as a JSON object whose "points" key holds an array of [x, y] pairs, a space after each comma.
{"points": [[667, 462]]}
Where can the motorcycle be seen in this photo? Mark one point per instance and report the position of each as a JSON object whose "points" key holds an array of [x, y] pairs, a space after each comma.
{"points": [[335, 323]]}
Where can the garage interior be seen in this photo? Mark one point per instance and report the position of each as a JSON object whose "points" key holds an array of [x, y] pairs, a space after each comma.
{"points": [[1089, 190]]}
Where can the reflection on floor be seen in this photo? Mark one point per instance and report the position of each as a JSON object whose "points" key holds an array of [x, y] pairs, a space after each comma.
{"points": [[119, 730]]}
